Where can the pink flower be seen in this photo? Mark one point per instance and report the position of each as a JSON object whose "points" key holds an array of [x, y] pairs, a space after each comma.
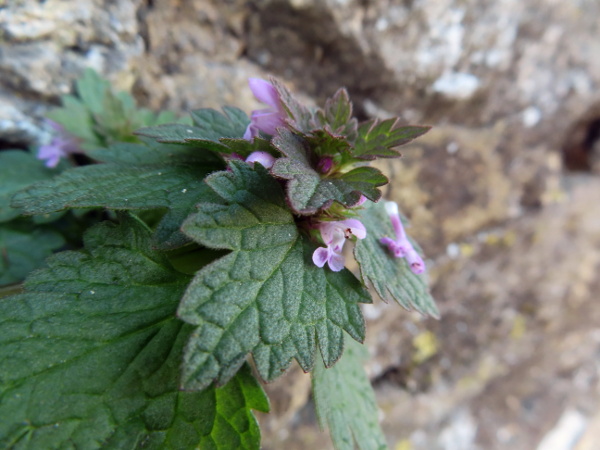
{"points": [[401, 246], [61, 145], [334, 236], [264, 158], [269, 119]]}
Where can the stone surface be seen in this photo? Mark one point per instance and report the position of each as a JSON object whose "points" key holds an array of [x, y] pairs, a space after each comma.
{"points": [[512, 240]]}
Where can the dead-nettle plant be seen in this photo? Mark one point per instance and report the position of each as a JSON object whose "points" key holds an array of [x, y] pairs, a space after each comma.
{"points": [[186, 248]]}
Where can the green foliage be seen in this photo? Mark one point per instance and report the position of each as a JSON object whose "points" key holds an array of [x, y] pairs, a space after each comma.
{"points": [[99, 117], [91, 353], [345, 402], [299, 117], [141, 339], [308, 191], [18, 169], [337, 116], [173, 180], [24, 248], [378, 138], [211, 130], [265, 297], [390, 277]]}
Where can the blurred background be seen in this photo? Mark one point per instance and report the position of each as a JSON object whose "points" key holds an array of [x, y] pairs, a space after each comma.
{"points": [[503, 194]]}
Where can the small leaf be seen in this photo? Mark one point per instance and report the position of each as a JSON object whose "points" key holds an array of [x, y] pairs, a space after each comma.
{"points": [[98, 116], [24, 249], [308, 191], [377, 138], [91, 356], [18, 169], [337, 116], [345, 402], [266, 297], [300, 117], [391, 277]]}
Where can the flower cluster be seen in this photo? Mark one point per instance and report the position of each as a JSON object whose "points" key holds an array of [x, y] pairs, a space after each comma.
{"points": [[334, 234]]}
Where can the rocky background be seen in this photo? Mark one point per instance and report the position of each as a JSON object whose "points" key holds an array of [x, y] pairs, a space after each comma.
{"points": [[503, 194]]}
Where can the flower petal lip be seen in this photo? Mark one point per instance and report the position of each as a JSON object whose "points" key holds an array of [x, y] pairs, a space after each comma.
{"points": [[320, 256], [336, 262], [264, 158]]}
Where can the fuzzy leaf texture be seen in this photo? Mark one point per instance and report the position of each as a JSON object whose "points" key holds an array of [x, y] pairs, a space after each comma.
{"points": [[378, 138], [391, 277], [345, 402], [91, 356], [211, 130], [266, 297], [171, 178], [308, 191], [337, 116]]}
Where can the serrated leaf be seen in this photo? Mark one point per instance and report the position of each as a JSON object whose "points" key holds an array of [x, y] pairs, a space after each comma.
{"points": [[24, 249], [18, 169], [210, 127], [299, 117], [390, 277], [345, 402], [91, 356], [266, 297], [378, 138], [337, 116], [177, 187], [308, 191], [215, 125]]}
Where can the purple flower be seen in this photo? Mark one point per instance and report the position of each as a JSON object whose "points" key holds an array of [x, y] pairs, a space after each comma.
{"points": [[361, 200], [401, 246], [325, 164], [61, 145], [264, 158], [334, 236], [266, 120]]}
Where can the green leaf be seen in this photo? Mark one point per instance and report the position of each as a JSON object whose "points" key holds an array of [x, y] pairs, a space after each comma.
{"points": [[337, 116], [391, 277], [91, 357], [99, 116], [93, 90], [345, 402], [210, 127], [18, 169], [308, 191], [215, 125], [176, 187], [299, 116], [24, 249], [377, 138], [152, 152], [266, 297]]}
